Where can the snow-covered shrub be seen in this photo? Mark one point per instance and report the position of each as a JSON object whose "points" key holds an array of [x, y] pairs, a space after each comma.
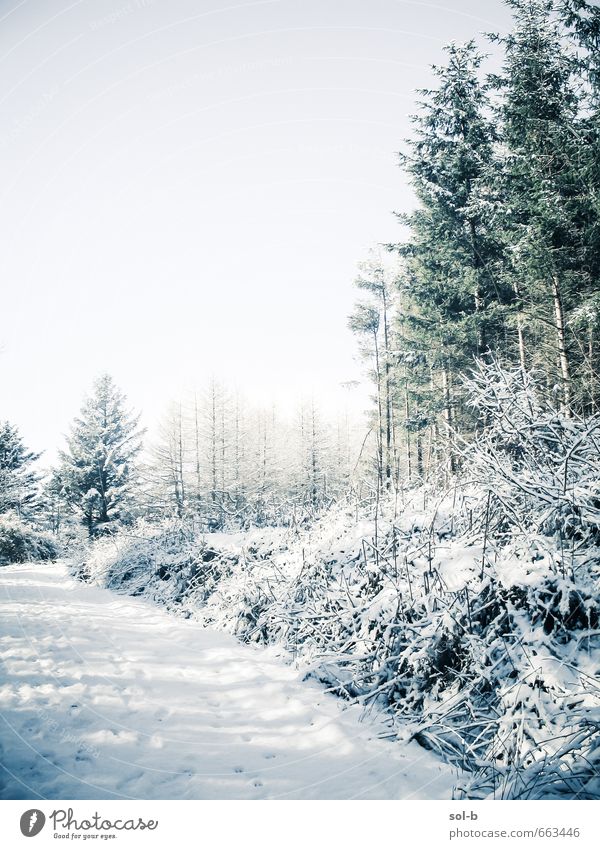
{"points": [[20, 542], [479, 647], [166, 562], [541, 465], [481, 652]]}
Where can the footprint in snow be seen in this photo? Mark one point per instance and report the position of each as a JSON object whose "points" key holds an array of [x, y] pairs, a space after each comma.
{"points": [[160, 715]]}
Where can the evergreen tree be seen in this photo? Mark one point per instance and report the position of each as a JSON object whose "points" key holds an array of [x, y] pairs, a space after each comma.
{"points": [[18, 482], [452, 255], [546, 198], [582, 21], [97, 473], [416, 394], [502, 255]]}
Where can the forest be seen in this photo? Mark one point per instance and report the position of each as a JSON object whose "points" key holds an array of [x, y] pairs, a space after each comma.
{"points": [[437, 562]]}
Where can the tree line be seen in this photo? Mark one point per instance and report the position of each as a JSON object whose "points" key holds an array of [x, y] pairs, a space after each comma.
{"points": [[499, 261], [224, 461], [215, 461]]}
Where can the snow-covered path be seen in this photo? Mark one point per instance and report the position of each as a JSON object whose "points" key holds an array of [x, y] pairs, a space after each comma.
{"points": [[104, 696]]}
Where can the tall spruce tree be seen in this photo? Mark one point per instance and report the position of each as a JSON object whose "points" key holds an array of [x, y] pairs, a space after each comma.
{"points": [[452, 254], [546, 198], [97, 473], [582, 22], [18, 481]]}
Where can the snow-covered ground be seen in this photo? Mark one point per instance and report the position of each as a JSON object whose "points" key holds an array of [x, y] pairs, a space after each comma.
{"points": [[104, 696]]}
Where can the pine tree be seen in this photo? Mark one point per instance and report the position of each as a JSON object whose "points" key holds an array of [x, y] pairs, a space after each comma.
{"points": [[546, 199], [582, 22], [18, 481], [416, 395], [97, 473], [452, 255], [501, 259]]}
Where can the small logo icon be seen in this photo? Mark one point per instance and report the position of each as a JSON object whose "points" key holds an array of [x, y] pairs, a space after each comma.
{"points": [[32, 822]]}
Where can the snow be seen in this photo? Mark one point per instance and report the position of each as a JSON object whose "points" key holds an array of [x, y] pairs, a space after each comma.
{"points": [[105, 696]]}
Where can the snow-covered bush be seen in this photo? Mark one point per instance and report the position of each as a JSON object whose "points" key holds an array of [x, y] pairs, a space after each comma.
{"points": [[540, 465], [494, 666], [20, 542], [168, 562]]}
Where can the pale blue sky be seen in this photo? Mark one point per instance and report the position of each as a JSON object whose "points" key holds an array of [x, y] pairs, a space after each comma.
{"points": [[188, 186]]}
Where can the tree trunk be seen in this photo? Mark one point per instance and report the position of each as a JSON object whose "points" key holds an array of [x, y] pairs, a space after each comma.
{"points": [[592, 377], [213, 440], [561, 340], [520, 335], [407, 427], [197, 447], [448, 416], [477, 294], [314, 463], [419, 456], [388, 394], [180, 458], [379, 416]]}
